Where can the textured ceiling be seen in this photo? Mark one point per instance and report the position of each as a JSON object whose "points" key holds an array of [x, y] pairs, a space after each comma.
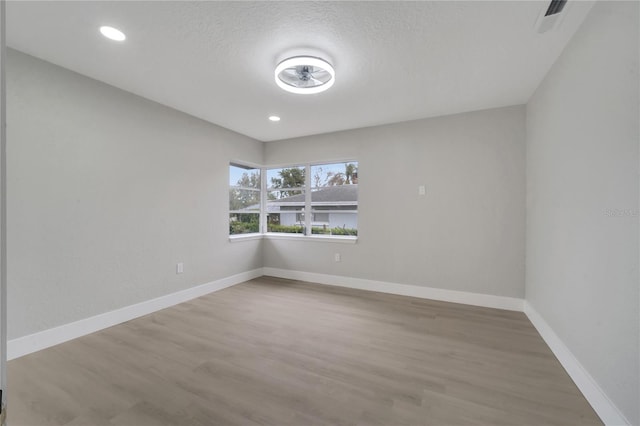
{"points": [[394, 61]]}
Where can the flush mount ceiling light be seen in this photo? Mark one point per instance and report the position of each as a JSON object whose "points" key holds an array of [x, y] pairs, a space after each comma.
{"points": [[112, 33], [304, 75], [274, 118]]}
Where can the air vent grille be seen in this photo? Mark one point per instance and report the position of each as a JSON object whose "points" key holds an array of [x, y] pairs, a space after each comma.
{"points": [[551, 16], [556, 6]]}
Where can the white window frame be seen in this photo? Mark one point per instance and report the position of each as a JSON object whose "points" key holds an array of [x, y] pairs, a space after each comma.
{"points": [[307, 210], [248, 166]]}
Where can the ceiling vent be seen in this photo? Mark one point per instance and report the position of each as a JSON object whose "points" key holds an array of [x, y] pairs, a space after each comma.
{"points": [[551, 16]]}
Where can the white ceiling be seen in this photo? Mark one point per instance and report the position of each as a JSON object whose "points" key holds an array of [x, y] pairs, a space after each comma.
{"points": [[394, 61]]}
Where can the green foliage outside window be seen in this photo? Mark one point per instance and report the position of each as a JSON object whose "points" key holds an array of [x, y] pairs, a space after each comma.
{"points": [[243, 223], [288, 229], [287, 178], [334, 231]]}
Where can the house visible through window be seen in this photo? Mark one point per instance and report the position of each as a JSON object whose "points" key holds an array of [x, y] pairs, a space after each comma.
{"points": [[286, 191], [324, 202], [310, 199], [244, 199], [316, 218]]}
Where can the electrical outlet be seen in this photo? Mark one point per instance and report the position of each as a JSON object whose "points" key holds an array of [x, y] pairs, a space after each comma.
{"points": [[179, 268], [337, 257], [422, 190]]}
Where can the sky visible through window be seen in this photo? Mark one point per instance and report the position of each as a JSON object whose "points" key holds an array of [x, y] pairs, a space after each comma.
{"points": [[235, 173], [331, 209]]}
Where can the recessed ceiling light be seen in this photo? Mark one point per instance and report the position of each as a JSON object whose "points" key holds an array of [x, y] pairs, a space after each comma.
{"points": [[305, 75], [274, 118], [112, 33]]}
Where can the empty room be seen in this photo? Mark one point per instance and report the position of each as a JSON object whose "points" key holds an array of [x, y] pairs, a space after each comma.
{"points": [[320, 213]]}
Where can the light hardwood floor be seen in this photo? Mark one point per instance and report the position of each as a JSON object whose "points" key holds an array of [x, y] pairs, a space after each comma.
{"points": [[280, 352]]}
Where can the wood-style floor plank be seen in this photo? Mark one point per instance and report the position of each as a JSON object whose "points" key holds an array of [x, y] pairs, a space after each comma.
{"points": [[281, 352]]}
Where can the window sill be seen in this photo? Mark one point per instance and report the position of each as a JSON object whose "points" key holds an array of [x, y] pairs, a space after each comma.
{"points": [[244, 237], [320, 238], [294, 237]]}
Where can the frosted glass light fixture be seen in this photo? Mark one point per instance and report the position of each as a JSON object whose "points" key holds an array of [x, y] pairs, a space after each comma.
{"points": [[304, 75]]}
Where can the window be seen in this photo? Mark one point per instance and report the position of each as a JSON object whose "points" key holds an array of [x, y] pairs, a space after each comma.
{"points": [[334, 199], [311, 199], [286, 189], [328, 197], [244, 199]]}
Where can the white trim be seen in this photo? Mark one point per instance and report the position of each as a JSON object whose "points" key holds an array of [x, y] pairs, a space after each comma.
{"points": [[249, 165], [244, 188], [315, 237], [467, 298], [288, 188], [245, 237], [307, 200], [345, 239], [302, 164], [313, 204], [603, 406], [54, 336], [263, 200], [596, 397]]}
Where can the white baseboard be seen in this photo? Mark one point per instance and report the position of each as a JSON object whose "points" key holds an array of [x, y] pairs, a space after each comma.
{"points": [[599, 400], [603, 406], [54, 336], [476, 299]]}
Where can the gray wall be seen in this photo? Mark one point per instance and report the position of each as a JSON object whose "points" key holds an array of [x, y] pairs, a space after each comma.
{"points": [[466, 234], [582, 206], [3, 204], [107, 192]]}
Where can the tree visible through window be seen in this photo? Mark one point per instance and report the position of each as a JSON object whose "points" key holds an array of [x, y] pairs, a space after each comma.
{"points": [[244, 199], [286, 192], [311, 199], [332, 208]]}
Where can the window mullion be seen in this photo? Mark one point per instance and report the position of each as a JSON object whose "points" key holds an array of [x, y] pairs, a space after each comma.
{"points": [[307, 199], [263, 200]]}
